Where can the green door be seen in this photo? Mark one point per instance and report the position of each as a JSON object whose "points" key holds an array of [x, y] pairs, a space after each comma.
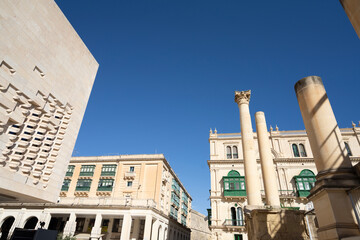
{"points": [[238, 237]]}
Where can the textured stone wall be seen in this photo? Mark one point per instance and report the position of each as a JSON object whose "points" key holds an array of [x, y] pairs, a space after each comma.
{"points": [[199, 226], [46, 76], [277, 224]]}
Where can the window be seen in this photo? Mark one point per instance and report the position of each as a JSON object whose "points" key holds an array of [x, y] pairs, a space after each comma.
{"points": [[105, 184], [65, 185], [132, 169], [299, 150], [108, 170], [304, 182], [83, 185], [347, 147], [237, 218], [70, 170], [129, 183], [87, 170], [295, 150], [176, 187], [302, 150], [234, 184], [173, 212], [183, 220], [175, 200], [235, 152], [228, 152]]}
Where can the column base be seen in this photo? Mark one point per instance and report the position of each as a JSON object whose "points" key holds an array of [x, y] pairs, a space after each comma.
{"points": [[95, 233], [332, 204], [266, 224]]}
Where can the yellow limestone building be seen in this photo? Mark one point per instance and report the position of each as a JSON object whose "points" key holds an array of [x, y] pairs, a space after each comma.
{"points": [[295, 173], [46, 76], [111, 197]]}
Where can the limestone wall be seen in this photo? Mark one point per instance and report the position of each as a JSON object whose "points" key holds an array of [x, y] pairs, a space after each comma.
{"points": [[46, 76]]}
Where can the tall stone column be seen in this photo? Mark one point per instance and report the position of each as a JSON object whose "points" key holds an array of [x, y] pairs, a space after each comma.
{"points": [[70, 226], [96, 229], [252, 180], [155, 230], [148, 224], [136, 229], [267, 166], [126, 227], [352, 9], [332, 205]]}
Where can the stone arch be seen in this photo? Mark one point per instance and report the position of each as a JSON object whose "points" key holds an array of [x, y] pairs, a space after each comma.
{"points": [[159, 232], [165, 233], [5, 227], [31, 223]]}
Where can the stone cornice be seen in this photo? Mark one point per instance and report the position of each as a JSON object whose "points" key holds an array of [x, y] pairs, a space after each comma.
{"points": [[276, 160]]}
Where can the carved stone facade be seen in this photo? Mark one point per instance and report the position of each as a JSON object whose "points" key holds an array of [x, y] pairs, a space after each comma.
{"points": [[46, 76], [292, 157]]}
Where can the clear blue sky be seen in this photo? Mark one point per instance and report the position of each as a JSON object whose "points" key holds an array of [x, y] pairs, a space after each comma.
{"points": [[168, 71]]}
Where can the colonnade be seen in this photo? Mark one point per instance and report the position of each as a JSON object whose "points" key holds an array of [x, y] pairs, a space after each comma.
{"points": [[252, 180], [134, 224]]}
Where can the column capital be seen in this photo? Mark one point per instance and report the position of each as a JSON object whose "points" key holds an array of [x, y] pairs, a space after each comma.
{"points": [[242, 97]]}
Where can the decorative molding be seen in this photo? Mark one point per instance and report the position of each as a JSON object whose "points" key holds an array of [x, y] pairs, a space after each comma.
{"points": [[7, 67]]}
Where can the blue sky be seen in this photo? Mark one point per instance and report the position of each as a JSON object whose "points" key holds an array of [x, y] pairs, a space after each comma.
{"points": [[169, 69]]}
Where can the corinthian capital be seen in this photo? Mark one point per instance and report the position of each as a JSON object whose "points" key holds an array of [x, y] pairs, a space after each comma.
{"points": [[242, 97]]}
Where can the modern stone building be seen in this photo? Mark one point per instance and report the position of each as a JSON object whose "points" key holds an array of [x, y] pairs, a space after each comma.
{"points": [[295, 173], [113, 197], [46, 76]]}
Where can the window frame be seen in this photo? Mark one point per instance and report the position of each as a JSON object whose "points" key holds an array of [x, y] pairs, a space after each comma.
{"points": [[234, 184], [105, 187], [87, 170], [108, 169], [83, 187]]}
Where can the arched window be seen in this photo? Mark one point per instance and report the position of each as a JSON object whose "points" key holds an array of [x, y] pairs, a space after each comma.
{"points": [[304, 182], [31, 223], [240, 217], [6, 226], [233, 216], [235, 152], [295, 150], [234, 184], [302, 150], [347, 147], [228, 152]]}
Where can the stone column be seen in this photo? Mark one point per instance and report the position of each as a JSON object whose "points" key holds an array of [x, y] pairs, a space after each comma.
{"points": [[96, 230], [352, 9], [247, 138], [332, 205], [136, 229], [126, 227], [70, 226], [267, 166], [148, 224], [155, 230]]}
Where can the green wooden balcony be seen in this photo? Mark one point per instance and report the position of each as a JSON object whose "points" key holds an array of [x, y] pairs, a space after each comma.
{"points": [[235, 193], [82, 188], [69, 174], [64, 188], [105, 188], [86, 174]]}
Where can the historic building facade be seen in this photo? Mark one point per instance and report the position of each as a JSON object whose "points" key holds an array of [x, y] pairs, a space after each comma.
{"points": [[113, 197], [295, 173], [46, 76]]}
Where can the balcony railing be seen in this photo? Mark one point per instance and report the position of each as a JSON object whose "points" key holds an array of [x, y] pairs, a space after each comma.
{"points": [[234, 222], [64, 188], [86, 173], [69, 174], [82, 188], [108, 173], [105, 188]]}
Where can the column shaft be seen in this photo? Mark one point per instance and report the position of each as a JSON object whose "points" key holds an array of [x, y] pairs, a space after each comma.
{"points": [[267, 166], [126, 227], [148, 224], [96, 230], [252, 180], [336, 175]]}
